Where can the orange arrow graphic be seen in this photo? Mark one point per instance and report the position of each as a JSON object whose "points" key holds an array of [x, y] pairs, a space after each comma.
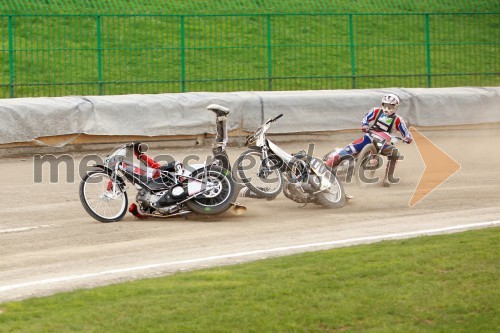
{"points": [[439, 166]]}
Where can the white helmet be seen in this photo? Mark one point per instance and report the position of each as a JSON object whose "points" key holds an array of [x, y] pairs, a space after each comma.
{"points": [[390, 104]]}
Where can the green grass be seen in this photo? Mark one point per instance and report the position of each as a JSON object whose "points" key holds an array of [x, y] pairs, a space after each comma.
{"points": [[446, 283], [245, 6], [89, 54]]}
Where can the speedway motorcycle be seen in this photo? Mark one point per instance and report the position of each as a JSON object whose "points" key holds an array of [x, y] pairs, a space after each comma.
{"points": [[266, 169], [161, 192], [365, 163]]}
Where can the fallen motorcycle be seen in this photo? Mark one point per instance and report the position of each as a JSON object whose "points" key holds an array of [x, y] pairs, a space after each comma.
{"points": [[266, 169], [169, 190]]}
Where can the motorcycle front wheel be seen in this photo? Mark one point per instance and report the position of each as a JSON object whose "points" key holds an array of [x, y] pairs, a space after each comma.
{"points": [[334, 197], [367, 163], [219, 192], [102, 197], [264, 180]]}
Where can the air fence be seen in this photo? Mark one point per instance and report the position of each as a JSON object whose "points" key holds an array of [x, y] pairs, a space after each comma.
{"points": [[185, 114]]}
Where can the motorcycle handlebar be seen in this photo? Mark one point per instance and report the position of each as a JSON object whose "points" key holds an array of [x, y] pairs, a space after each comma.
{"points": [[369, 132], [276, 118]]}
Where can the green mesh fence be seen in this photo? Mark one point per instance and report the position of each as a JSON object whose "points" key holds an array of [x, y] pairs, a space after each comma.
{"points": [[121, 47]]}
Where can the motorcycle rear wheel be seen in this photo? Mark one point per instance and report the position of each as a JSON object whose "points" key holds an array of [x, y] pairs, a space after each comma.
{"points": [[265, 183], [98, 198], [335, 196], [219, 198]]}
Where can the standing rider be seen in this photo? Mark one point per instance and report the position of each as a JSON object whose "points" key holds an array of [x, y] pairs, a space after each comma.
{"points": [[384, 119]]}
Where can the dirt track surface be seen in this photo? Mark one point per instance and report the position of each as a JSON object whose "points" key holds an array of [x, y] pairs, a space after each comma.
{"points": [[50, 244]]}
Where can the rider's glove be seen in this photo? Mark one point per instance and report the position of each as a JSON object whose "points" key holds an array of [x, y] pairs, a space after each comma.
{"points": [[364, 129], [407, 140]]}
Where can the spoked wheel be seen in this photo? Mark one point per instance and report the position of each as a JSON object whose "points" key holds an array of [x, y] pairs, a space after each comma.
{"points": [[102, 197], [261, 177], [218, 194], [333, 197], [367, 163]]}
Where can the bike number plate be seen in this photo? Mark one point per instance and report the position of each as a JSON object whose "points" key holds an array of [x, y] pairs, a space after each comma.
{"points": [[318, 166]]}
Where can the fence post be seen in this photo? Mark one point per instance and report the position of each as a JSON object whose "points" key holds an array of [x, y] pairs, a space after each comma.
{"points": [[353, 57], [269, 55], [12, 73], [183, 55], [99, 55], [428, 51]]}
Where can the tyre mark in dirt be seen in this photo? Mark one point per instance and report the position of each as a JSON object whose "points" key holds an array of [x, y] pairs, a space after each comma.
{"points": [[37, 207], [13, 230]]}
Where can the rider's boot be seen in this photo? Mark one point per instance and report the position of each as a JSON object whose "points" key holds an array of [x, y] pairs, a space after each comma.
{"points": [[386, 182], [389, 171], [332, 160], [135, 211]]}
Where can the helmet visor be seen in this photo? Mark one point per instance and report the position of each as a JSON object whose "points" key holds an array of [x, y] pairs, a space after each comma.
{"points": [[389, 106]]}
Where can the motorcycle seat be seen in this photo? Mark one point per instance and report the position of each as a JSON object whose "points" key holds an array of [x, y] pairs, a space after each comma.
{"points": [[169, 167], [218, 110], [157, 184]]}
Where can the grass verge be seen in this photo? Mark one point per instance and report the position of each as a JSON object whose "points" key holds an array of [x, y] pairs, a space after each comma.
{"points": [[446, 283]]}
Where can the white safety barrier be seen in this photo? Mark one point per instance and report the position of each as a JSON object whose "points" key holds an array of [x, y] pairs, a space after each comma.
{"points": [[25, 119]]}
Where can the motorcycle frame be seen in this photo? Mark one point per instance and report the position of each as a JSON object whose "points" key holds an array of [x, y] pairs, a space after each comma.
{"points": [[289, 161]]}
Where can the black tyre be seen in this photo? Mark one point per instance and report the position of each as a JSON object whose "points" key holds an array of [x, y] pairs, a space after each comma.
{"points": [[264, 181], [334, 197], [102, 197], [222, 160], [220, 191], [368, 161]]}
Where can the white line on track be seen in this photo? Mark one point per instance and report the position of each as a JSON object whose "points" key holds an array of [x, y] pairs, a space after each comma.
{"points": [[8, 231], [345, 242]]}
